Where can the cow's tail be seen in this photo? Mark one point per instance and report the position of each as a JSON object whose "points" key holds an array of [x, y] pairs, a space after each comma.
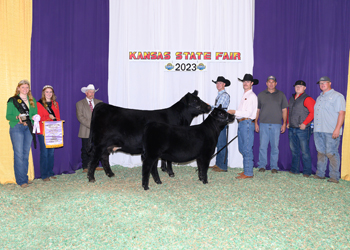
{"points": [[89, 145]]}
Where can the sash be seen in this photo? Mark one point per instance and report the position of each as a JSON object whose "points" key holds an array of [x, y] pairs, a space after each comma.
{"points": [[49, 109], [22, 107]]}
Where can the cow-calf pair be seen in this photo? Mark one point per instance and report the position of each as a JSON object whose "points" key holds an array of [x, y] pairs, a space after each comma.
{"points": [[164, 134]]}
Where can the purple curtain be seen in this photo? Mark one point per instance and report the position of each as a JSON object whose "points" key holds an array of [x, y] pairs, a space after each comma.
{"points": [[300, 40], [69, 50]]}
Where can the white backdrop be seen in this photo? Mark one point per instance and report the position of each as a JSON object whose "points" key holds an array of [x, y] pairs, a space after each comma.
{"points": [[177, 25]]}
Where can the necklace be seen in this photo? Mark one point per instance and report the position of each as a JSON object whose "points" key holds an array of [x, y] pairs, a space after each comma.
{"points": [[23, 98]]}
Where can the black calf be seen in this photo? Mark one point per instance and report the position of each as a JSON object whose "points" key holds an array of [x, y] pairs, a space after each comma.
{"points": [[182, 144], [116, 129]]}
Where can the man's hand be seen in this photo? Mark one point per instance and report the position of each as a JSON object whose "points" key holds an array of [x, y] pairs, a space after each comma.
{"points": [[283, 128], [336, 133], [257, 127], [231, 111], [302, 126]]}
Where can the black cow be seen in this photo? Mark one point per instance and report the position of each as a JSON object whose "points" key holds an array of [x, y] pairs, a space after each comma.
{"points": [[119, 129], [182, 144]]}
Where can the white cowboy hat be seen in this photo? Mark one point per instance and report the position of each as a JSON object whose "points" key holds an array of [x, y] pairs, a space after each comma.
{"points": [[89, 87]]}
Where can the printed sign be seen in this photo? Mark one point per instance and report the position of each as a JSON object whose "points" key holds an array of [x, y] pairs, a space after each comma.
{"points": [[53, 131], [185, 60]]}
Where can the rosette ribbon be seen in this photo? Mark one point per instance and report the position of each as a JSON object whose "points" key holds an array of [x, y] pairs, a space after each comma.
{"points": [[36, 127]]}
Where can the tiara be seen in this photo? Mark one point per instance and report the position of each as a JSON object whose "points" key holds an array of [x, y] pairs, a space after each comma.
{"points": [[47, 86]]}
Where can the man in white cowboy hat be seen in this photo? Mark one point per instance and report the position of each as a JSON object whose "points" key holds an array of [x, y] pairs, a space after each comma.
{"points": [[222, 98], [84, 110], [245, 115]]}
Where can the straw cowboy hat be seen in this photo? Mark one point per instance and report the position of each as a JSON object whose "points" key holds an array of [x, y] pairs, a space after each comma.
{"points": [[89, 87]]}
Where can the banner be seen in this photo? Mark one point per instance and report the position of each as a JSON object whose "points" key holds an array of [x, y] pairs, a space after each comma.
{"points": [[176, 60], [53, 131]]}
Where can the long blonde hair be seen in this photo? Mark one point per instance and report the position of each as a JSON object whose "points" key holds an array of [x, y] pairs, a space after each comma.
{"points": [[53, 98], [30, 97]]}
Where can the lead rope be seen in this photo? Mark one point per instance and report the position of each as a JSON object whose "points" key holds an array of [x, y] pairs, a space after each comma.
{"points": [[224, 147]]}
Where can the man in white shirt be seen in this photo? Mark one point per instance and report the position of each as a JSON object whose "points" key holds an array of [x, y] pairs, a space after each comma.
{"points": [[245, 115], [84, 110]]}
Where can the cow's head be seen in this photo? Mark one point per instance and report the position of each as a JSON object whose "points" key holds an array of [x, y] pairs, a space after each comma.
{"points": [[196, 105], [221, 117]]}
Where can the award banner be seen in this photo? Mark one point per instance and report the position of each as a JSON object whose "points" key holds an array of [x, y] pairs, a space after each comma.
{"points": [[53, 131]]}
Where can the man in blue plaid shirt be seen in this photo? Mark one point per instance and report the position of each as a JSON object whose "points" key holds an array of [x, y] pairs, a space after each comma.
{"points": [[223, 98]]}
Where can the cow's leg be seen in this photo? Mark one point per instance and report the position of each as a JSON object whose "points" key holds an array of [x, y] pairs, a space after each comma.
{"points": [[146, 171], [94, 160], [203, 165], [105, 164], [163, 166], [170, 169], [155, 174]]}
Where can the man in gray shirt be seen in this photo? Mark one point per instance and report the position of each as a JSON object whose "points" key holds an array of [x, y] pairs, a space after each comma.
{"points": [[272, 108], [329, 119]]}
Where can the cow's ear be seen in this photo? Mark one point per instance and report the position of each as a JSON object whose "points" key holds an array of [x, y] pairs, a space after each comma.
{"points": [[220, 106], [195, 93]]}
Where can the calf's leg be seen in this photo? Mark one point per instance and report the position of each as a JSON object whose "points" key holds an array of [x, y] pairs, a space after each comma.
{"points": [[203, 165], [94, 160], [155, 174], [166, 166], [163, 166], [146, 170], [170, 169], [105, 164]]}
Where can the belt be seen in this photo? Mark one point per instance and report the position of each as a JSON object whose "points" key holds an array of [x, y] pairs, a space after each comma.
{"points": [[243, 119]]}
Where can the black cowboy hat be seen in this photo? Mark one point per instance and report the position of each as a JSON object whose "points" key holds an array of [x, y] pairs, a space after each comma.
{"points": [[222, 79], [249, 77]]}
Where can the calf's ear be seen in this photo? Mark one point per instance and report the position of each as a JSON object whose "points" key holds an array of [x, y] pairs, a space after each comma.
{"points": [[220, 106], [195, 93]]}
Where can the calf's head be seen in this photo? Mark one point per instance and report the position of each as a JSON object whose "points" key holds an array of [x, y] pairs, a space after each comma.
{"points": [[196, 105], [221, 117]]}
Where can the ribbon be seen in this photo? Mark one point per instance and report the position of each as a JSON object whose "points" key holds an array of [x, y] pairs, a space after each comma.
{"points": [[36, 127]]}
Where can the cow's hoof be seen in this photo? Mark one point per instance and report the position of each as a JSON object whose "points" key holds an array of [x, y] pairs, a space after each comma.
{"points": [[111, 174], [205, 182], [145, 188], [159, 182], [172, 175], [92, 180]]}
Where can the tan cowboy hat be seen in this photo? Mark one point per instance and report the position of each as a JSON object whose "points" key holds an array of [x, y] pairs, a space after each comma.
{"points": [[89, 87]]}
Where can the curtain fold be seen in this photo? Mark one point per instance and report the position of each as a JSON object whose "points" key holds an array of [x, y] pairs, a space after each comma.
{"points": [[15, 30]]}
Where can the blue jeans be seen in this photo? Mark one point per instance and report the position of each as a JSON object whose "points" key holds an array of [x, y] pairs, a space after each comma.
{"points": [[221, 158], [327, 147], [245, 145], [269, 133], [21, 139], [46, 159], [299, 140]]}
